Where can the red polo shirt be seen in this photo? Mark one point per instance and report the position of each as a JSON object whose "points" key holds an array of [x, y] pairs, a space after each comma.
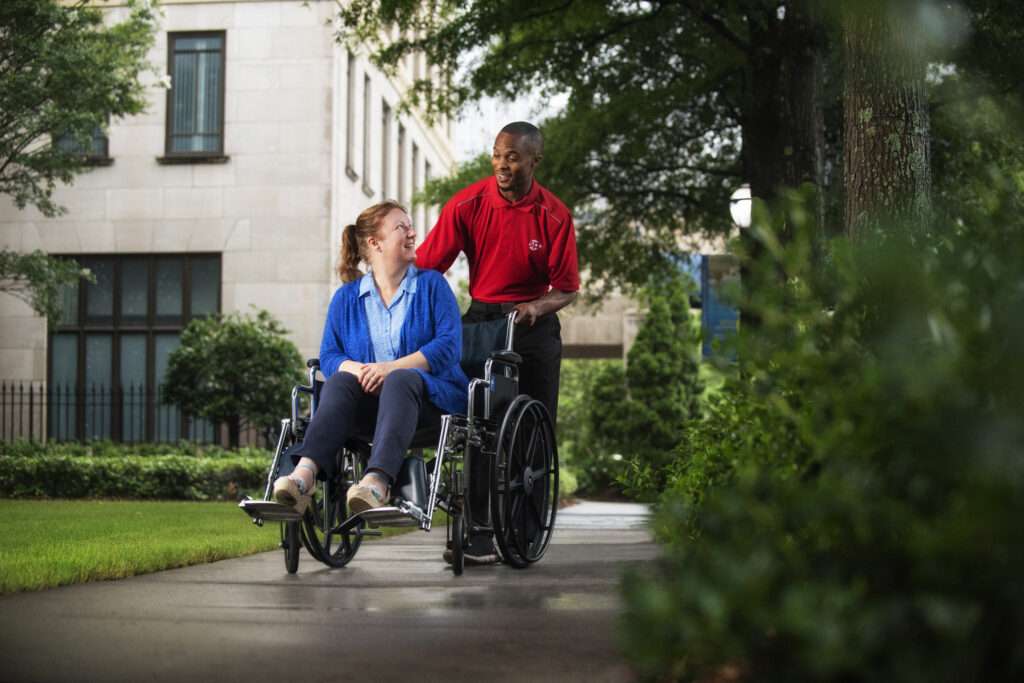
{"points": [[516, 251]]}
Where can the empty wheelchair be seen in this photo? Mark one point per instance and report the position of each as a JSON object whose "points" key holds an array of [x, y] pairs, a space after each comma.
{"points": [[510, 431]]}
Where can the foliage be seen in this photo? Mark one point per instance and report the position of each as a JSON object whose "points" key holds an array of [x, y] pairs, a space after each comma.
{"points": [[641, 412], [440, 189], [62, 72], [234, 369], [594, 464], [22, 448], [38, 279], [172, 477], [671, 105], [866, 529], [59, 542]]}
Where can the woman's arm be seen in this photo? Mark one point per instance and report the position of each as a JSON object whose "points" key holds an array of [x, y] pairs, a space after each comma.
{"points": [[333, 356]]}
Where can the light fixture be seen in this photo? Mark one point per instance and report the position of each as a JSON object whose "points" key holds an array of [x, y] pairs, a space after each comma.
{"points": [[739, 206]]}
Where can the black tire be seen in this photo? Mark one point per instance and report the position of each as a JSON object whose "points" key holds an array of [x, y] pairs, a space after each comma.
{"points": [[458, 544], [524, 483], [291, 543], [327, 510]]}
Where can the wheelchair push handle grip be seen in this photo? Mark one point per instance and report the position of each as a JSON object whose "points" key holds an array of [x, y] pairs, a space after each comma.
{"points": [[313, 363]]}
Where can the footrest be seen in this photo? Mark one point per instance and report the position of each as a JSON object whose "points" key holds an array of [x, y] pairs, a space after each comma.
{"points": [[269, 511], [388, 516]]}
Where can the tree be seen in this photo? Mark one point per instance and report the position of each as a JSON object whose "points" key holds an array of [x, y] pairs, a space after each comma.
{"points": [[668, 111], [642, 412], [886, 119], [672, 104], [233, 369], [63, 73], [37, 279]]}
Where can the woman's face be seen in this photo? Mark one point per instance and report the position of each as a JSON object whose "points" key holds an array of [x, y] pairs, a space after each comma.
{"points": [[396, 237]]}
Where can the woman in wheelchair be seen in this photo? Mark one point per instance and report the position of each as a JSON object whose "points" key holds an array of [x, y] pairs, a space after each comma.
{"points": [[390, 352]]}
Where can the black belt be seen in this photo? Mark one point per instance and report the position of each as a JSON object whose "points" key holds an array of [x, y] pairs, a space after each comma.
{"points": [[485, 308]]}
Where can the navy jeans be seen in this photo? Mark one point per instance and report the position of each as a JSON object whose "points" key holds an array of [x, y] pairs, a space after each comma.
{"points": [[346, 411]]}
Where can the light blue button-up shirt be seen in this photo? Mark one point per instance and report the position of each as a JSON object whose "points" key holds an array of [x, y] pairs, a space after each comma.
{"points": [[386, 321]]}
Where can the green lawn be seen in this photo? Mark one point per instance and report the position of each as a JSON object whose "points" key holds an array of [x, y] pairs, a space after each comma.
{"points": [[54, 542]]}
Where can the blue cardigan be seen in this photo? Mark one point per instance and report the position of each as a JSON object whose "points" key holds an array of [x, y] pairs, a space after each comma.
{"points": [[432, 326]]}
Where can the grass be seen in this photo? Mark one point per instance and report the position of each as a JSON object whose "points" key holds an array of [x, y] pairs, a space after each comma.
{"points": [[50, 543]]}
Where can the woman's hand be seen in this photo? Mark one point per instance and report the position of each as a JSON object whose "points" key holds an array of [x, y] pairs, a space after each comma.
{"points": [[371, 376]]}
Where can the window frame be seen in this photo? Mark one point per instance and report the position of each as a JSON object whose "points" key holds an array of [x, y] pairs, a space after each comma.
{"points": [[350, 116], [367, 124], [89, 157], [200, 156], [116, 328]]}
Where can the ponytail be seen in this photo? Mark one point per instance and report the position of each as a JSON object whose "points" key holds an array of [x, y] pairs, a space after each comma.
{"points": [[354, 239], [348, 260]]}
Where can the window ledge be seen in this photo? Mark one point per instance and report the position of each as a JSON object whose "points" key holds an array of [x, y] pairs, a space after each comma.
{"points": [[211, 159], [350, 172], [98, 161], [367, 190]]}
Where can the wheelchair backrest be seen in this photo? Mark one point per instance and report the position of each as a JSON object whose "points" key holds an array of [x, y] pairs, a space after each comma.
{"points": [[479, 341]]}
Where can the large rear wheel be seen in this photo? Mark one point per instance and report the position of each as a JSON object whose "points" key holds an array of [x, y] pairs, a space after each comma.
{"points": [[524, 482]]}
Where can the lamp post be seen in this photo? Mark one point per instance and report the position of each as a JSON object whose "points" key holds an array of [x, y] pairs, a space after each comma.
{"points": [[740, 203]]}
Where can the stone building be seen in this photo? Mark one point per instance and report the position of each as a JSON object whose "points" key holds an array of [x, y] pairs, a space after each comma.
{"points": [[228, 193]]}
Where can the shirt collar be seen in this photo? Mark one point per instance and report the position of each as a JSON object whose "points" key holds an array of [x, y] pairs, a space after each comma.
{"points": [[524, 204], [408, 284]]}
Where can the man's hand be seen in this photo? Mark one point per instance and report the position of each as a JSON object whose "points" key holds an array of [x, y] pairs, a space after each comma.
{"points": [[527, 313], [371, 377], [554, 300]]}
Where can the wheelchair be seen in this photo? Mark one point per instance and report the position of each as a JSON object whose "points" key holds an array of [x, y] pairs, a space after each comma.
{"points": [[511, 432]]}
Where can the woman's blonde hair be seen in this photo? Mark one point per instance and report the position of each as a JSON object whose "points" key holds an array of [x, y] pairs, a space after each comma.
{"points": [[355, 235]]}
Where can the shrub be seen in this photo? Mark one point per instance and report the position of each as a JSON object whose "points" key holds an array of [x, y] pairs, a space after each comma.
{"points": [[866, 528], [165, 477], [642, 410], [233, 369]]}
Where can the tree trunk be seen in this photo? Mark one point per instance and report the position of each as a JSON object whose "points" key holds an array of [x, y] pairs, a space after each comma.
{"points": [[783, 128], [885, 120], [234, 432]]}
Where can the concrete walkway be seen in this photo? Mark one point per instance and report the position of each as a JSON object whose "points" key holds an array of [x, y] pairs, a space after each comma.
{"points": [[395, 613]]}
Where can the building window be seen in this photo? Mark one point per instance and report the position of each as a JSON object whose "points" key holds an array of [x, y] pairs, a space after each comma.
{"points": [[109, 351], [195, 100], [385, 150], [350, 117], [403, 194], [426, 209], [96, 151], [416, 185], [367, 104]]}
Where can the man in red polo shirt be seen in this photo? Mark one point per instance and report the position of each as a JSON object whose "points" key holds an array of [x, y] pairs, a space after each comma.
{"points": [[520, 242]]}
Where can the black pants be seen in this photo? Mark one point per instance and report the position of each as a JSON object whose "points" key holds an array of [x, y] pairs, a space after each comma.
{"points": [[541, 349], [346, 411]]}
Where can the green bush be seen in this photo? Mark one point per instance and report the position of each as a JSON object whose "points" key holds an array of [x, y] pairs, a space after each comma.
{"points": [[103, 469], [867, 525], [641, 411], [595, 463], [109, 449], [172, 477]]}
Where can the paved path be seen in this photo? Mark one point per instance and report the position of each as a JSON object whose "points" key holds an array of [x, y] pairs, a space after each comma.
{"points": [[395, 613]]}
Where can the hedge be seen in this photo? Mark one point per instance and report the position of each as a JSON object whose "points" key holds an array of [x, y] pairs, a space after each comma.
{"points": [[108, 449], [177, 477]]}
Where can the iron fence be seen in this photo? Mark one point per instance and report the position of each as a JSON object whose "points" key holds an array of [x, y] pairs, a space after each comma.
{"points": [[125, 414]]}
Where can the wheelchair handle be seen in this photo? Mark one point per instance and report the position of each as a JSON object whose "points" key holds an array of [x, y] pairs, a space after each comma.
{"points": [[510, 329]]}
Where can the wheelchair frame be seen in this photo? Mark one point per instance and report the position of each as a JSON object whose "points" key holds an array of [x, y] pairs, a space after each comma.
{"points": [[511, 431]]}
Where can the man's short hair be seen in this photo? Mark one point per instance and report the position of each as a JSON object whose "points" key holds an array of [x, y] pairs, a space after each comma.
{"points": [[528, 131]]}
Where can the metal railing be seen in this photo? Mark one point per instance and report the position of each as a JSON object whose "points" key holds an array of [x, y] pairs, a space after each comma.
{"points": [[126, 414]]}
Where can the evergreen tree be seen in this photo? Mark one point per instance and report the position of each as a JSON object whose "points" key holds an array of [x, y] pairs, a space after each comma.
{"points": [[642, 411]]}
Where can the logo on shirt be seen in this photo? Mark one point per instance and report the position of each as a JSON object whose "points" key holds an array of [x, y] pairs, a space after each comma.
{"points": [[534, 245]]}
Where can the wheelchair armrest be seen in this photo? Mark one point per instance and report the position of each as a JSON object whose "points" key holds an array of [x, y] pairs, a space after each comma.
{"points": [[510, 357]]}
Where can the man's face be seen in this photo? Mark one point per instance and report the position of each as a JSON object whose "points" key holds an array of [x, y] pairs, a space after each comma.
{"points": [[513, 161]]}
